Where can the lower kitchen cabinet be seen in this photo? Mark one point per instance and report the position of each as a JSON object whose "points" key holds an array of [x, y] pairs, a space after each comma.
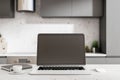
{"points": [[96, 60], [3, 60], [113, 60], [105, 60]]}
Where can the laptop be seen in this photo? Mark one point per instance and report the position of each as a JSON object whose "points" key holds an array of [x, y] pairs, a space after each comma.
{"points": [[61, 54]]}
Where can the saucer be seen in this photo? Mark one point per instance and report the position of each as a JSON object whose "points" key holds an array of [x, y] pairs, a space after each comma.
{"points": [[16, 73]]}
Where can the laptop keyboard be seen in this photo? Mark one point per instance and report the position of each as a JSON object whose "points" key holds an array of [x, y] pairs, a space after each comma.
{"points": [[61, 68]]}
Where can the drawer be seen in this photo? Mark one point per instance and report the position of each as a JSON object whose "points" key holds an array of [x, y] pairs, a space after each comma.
{"points": [[3, 60], [95, 60], [113, 60]]}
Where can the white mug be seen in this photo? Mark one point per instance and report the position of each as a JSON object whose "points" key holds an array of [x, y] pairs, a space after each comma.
{"points": [[17, 68]]}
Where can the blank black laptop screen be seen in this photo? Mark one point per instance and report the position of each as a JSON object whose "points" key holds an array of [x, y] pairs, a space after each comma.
{"points": [[60, 49]]}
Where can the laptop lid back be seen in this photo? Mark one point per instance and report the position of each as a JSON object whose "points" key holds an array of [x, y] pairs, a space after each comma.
{"points": [[61, 49]]}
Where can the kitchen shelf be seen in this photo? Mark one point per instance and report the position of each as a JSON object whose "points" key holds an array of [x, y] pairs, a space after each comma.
{"points": [[95, 55], [33, 54], [18, 54]]}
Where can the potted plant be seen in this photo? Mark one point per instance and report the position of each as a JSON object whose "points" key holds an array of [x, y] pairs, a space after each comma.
{"points": [[95, 46], [87, 49]]}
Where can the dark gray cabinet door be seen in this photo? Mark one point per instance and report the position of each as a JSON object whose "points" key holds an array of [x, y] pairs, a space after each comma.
{"points": [[81, 7], [71, 8], [96, 60], [86, 8], [3, 60], [98, 7], [55, 8], [6, 8]]}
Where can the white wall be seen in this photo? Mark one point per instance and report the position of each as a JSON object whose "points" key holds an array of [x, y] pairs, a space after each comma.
{"points": [[23, 38], [11, 29]]}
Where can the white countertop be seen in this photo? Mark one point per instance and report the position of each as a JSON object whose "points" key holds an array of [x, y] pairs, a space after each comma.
{"points": [[112, 72], [18, 54], [95, 54], [34, 54]]}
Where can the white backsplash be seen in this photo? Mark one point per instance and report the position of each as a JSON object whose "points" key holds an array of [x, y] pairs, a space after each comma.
{"points": [[23, 38], [88, 26]]}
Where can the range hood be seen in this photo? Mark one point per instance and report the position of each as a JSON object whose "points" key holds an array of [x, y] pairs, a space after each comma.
{"points": [[25, 5]]}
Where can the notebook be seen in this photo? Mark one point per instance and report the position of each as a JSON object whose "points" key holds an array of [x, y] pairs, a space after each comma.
{"points": [[8, 67]]}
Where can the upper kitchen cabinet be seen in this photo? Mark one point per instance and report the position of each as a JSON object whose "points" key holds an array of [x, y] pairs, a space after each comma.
{"points": [[87, 8], [6, 8], [55, 8], [71, 8]]}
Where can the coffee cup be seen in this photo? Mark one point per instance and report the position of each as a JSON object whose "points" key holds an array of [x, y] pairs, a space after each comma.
{"points": [[17, 68]]}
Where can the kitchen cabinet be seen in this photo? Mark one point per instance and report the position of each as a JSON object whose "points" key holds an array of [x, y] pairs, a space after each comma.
{"points": [[71, 8], [113, 60], [103, 60], [3, 60], [6, 8], [87, 8], [96, 60], [55, 8]]}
